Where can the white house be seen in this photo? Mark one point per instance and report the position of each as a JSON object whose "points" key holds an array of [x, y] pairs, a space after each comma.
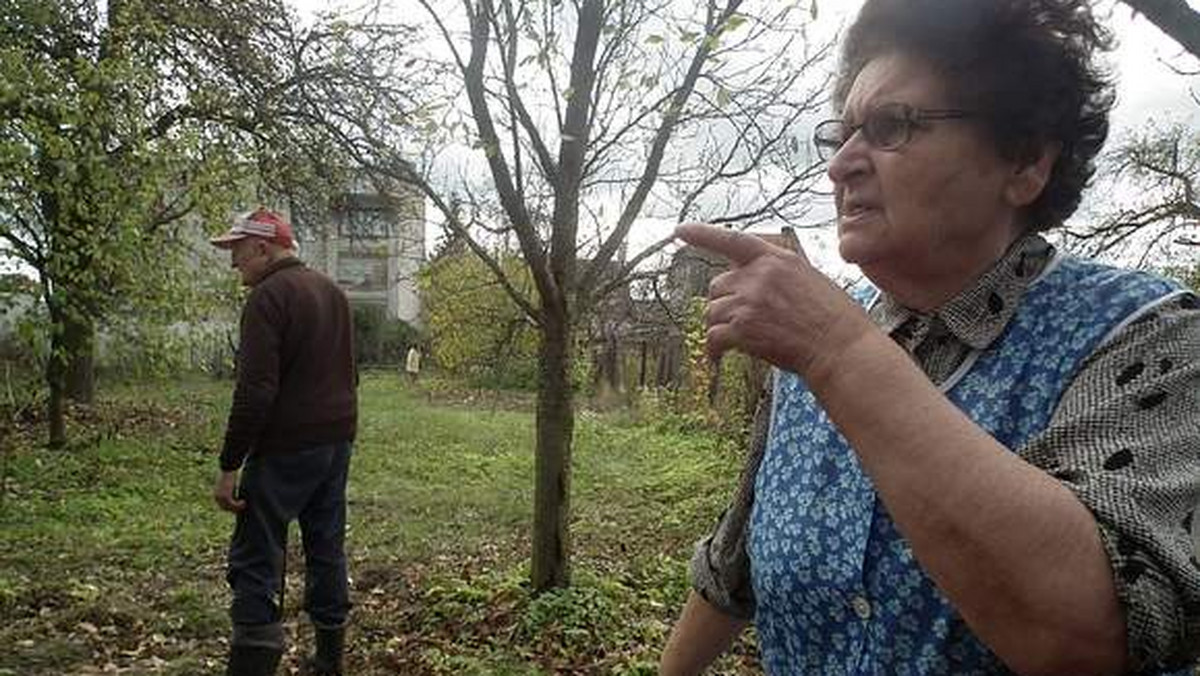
{"points": [[373, 245]]}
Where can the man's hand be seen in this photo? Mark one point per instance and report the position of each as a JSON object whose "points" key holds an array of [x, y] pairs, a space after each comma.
{"points": [[223, 492], [772, 303]]}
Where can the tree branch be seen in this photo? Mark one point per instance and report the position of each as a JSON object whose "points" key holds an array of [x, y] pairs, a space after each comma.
{"points": [[478, 249], [1173, 17], [515, 209], [573, 146], [657, 149], [437, 19], [549, 168]]}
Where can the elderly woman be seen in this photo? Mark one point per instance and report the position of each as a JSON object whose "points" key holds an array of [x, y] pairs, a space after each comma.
{"points": [[988, 463]]}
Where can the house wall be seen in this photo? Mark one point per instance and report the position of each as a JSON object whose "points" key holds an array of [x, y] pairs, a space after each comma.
{"points": [[373, 245]]}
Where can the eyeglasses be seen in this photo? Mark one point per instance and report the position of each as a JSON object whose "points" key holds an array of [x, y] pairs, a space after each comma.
{"points": [[885, 127]]}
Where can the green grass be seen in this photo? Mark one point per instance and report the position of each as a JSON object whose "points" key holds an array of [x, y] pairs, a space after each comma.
{"points": [[112, 553]]}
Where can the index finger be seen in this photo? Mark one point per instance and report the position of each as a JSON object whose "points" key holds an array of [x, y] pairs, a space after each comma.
{"points": [[739, 247]]}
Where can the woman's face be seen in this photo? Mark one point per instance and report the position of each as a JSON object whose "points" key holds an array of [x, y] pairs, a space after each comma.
{"points": [[940, 205]]}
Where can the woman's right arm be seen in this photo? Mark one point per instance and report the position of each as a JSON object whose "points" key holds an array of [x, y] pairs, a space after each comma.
{"points": [[701, 635]]}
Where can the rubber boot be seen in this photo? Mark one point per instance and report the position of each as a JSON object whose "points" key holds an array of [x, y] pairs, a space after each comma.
{"points": [[330, 644], [255, 650], [253, 660]]}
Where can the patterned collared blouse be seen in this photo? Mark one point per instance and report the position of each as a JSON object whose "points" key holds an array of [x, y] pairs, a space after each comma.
{"points": [[1124, 438]]}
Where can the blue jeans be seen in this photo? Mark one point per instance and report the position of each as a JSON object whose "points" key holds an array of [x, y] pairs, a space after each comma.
{"points": [[308, 486]]}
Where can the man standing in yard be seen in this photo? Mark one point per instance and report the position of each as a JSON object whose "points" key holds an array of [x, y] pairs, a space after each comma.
{"points": [[290, 434]]}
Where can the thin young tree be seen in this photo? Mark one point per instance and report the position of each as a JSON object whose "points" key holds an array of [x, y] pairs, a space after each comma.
{"points": [[586, 116]]}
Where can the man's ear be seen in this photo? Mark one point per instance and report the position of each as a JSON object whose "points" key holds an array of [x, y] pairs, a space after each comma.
{"points": [[1030, 176]]}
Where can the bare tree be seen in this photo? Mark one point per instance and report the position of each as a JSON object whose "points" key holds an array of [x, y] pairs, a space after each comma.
{"points": [[634, 79], [589, 115], [1159, 169]]}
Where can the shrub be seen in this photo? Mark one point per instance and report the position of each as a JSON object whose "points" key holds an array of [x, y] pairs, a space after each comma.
{"points": [[379, 340], [719, 398], [476, 331]]}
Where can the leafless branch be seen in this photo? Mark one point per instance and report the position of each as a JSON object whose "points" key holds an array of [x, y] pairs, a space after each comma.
{"points": [[657, 148], [516, 210], [1175, 18]]}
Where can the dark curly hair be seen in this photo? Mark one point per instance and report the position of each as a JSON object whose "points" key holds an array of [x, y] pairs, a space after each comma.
{"points": [[1027, 65]]}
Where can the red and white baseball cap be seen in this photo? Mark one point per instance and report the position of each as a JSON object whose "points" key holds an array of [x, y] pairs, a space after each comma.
{"points": [[262, 223]]}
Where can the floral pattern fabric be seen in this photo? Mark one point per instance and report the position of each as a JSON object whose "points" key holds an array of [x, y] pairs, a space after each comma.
{"points": [[837, 588]]}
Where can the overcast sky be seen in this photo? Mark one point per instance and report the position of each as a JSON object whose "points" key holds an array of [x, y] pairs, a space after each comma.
{"points": [[1148, 89]]}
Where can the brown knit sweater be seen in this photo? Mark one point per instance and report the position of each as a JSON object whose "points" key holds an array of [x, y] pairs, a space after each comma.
{"points": [[295, 366]]}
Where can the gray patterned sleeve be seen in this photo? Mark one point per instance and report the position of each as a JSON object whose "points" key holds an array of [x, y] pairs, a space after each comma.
{"points": [[720, 566], [1126, 440]]}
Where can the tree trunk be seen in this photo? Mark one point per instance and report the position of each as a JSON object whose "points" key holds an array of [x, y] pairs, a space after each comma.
{"points": [[79, 345], [612, 360], [1173, 17], [56, 416], [642, 366], [552, 465], [55, 383], [714, 383]]}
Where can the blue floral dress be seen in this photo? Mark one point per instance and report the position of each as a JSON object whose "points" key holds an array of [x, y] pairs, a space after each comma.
{"points": [[838, 589]]}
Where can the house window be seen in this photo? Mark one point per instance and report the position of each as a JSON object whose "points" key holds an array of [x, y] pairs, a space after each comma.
{"points": [[367, 224], [362, 273]]}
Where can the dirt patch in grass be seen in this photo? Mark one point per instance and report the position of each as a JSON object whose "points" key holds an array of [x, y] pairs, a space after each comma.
{"points": [[88, 425]]}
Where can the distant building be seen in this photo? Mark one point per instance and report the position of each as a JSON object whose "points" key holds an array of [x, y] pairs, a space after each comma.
{"points": [[692, 268], [373, 244], [639, 342], [691, 271]]}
